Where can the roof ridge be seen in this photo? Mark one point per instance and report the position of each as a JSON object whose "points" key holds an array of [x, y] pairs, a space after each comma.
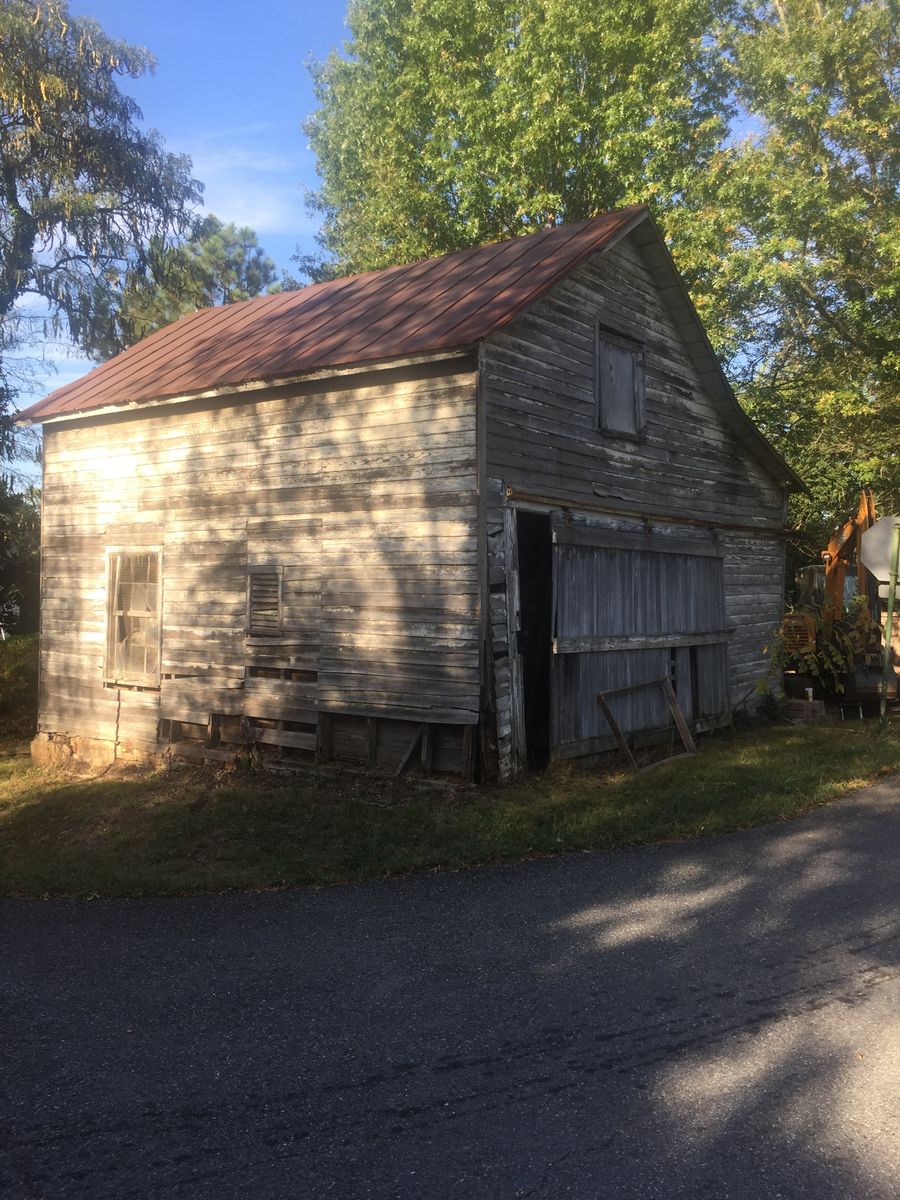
{"points": [[356, 276]]}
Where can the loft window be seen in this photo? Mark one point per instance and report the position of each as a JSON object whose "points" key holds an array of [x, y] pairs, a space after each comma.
{"points": [[264, 602], [619, 376], [132, 616]]}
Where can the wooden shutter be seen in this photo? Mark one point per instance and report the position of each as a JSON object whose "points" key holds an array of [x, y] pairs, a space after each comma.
{"points": [[619, 369]]}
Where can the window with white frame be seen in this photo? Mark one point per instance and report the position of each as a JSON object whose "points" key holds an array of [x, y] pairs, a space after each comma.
{"points": [[132, 615], [619, 377]]}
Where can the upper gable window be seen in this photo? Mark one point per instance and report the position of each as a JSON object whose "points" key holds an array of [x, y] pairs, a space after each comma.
{"points": [[619, 375]]}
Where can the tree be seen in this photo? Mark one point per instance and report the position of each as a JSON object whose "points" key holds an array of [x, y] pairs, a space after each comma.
{"points": [[83, 191], [219, 264], [20, 542], [462, 121], [796, 261]]}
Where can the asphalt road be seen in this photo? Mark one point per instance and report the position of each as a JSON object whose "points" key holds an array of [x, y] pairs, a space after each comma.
{"points": [[713, 1019]]}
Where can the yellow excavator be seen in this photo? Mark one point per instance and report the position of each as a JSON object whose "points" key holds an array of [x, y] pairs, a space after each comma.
{"points": [[824, 592]]}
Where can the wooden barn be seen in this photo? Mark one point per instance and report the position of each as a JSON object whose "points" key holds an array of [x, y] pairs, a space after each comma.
{"points": [[415, 519]]}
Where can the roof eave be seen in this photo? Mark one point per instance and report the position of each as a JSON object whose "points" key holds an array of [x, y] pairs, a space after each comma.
{"points": [[241, 390]]}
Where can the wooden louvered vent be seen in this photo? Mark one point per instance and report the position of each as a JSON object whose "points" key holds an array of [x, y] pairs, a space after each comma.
{"points": [[264, 603]]}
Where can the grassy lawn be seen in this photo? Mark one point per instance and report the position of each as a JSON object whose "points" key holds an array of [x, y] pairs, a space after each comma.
{"points": [[187, 829]]}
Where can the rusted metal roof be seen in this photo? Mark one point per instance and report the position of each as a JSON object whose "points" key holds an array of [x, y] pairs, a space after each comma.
{"points": [[429, 306]]}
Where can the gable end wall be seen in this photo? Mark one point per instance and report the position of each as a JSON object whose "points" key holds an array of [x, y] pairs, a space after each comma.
{"points": [[542, 441]]}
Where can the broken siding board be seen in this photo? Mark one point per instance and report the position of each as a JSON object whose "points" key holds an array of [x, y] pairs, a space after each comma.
{"points": [[396, 709]]}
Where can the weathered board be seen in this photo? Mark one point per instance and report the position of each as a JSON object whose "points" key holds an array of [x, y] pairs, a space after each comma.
{"points": [[359, 501], [546, 452]]}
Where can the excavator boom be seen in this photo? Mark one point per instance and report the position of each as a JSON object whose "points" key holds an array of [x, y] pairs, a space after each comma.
{"points": [[841, 548]]}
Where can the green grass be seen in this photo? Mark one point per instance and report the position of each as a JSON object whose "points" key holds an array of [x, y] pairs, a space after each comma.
{"points": [[188, 830]]}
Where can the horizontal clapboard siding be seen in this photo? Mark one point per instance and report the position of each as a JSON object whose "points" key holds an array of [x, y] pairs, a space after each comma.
{"points": [[541, 407], [318, 550]]}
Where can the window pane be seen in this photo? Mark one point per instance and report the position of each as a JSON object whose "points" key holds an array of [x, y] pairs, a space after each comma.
{"points": [[133, 619]]}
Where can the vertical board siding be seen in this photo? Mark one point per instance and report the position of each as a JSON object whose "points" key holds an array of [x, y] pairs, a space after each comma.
{"points": [[620, 592], [577, 716], [626, 593], [364, 499], [543, 441]]}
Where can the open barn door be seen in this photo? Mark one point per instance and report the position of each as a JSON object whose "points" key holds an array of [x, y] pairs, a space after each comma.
{"points": [[535, 635], [630, 608]]}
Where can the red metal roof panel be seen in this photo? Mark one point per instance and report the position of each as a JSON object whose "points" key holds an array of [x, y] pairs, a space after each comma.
{"points": [[433, 305]]}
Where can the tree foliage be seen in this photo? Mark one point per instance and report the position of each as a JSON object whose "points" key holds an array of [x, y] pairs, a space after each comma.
{"points": [[20, 553], [452, 122], [764, 136], [796, 260], [83, 190], [219, 264]]}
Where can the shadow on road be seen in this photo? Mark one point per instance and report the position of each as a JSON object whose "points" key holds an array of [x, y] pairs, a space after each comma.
{"points": [[712, 1019]]}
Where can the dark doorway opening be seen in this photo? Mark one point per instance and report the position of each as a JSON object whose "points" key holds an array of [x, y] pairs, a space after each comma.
{"points": [[536, 635]]}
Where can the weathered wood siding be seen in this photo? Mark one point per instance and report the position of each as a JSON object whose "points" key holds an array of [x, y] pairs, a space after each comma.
{"points": [[363, 496], [543, 443]]}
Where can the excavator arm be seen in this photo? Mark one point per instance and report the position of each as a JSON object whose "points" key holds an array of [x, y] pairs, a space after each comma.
{"points": [[838, 554]]}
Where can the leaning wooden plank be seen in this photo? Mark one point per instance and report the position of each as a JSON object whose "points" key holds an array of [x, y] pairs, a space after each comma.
{"points": [[371, 741], [617, 732], [427, 750], [678, 716]]}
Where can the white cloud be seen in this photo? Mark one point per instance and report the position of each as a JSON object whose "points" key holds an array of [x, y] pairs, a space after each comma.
{"points": [[251, 183]]}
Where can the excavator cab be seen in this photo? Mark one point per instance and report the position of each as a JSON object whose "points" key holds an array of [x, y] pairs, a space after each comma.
{"points": [[810, 587]]}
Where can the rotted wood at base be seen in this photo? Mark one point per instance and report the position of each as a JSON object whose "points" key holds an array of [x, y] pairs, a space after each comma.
{"points": [[375, 743], [595, 749]]}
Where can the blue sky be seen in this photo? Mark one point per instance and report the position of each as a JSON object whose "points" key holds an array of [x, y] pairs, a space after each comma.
{"points": [[231, 90]]}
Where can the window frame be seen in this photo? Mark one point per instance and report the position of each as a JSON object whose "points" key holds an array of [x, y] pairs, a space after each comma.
{"points": [[147, 682], [614, 337]]}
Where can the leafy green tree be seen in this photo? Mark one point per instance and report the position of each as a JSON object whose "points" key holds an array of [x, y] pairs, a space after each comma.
{"points": [[796, 260], [83, 190], [20, 542], [460, 121], [220, 264]]}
